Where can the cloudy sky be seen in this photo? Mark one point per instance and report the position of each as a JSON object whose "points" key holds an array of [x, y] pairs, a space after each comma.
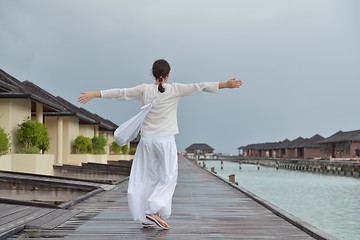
{"points": [[299, 60]]}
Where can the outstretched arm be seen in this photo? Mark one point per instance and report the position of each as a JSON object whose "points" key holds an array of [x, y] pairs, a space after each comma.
{"points": [[231, 83], [115, 93], [87, 96]]}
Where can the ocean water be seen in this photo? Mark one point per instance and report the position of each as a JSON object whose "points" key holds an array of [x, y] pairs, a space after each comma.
{"points": [[330, 203]]}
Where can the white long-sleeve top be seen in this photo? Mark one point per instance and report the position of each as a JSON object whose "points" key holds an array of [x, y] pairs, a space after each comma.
{"points": [[162, 118]]}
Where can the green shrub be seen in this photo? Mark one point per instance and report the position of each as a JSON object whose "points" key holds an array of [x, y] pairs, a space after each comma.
{"points": [[125, 149], [31, 150], [33, 134], [83, 145], [98, 144], [44, 139], [132, 151], [5, 144], [115, 148]]}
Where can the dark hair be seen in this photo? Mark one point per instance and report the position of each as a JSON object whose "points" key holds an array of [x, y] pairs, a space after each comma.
{"points": [[160, 70]]}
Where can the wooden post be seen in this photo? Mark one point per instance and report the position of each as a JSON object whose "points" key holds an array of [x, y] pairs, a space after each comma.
{"points": [[213, 170], [222, 163], [232, 178]]}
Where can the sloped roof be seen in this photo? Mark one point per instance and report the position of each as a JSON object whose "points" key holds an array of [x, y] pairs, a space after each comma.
{"points": [[10, 87], [103, 123], [35, 90], [269, 145], [5, 86], [284, 144], [341, 136], [255, 146], [63, 109], [68, 108], [10, 83], [312, 142], [296, 142], [199, 146]]}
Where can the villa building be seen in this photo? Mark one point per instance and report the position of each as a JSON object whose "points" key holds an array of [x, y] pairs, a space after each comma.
{"points": [[65, 121], [299, 148], [200, 151], [341, 145]]}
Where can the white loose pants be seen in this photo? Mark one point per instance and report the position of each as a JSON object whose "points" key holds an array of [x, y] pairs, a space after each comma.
{"points": [[153, 177]]}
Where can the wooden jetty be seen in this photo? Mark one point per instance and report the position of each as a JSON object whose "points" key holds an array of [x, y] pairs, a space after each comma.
{"points": [[331, 167], [203, 207]]}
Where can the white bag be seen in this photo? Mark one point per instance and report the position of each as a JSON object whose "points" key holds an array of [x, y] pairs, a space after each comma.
{"points": [[130, 129]]}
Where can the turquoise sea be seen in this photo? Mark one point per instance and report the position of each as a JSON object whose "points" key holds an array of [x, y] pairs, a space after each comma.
{"points": [[330, 203]]}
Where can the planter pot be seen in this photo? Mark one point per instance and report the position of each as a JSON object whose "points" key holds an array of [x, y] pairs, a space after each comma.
{"points": [[5, 162], [115, 157], [33, 163], [77, 159]]}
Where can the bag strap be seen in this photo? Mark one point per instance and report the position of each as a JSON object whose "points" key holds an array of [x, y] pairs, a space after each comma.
{"points": [[151, 103]]}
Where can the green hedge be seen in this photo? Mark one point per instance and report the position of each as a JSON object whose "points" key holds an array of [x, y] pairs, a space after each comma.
{"points": [[98, 145], [33, 137], [5, 144], [86, 145], [116, 149], [83, 145]]}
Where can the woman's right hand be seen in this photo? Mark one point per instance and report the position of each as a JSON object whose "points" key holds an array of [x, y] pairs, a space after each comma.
{"points": [[231, 83]]}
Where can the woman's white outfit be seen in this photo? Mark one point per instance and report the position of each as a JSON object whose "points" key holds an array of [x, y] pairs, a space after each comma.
{"points": [[154, 170]]}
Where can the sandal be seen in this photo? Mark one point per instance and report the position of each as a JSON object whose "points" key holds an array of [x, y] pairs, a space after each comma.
{"points": [[148, 225], [157, 222]]}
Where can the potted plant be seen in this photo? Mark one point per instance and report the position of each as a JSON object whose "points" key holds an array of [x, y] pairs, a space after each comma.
{"points": [[33, 137]]}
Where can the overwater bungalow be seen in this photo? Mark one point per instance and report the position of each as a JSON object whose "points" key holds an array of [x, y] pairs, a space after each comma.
{"points": [[310, 149], [341, 145], [200, 150], [252, 150], [298, 148], [292, 148], [281, 148]]}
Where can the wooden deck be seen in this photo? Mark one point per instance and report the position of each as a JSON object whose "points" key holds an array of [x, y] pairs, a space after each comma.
{"points": [[203, 207], [16, 217]]}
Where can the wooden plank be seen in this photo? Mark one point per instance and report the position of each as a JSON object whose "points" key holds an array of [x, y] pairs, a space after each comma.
{"points": [[17, 215], [39, 215], [52, 219], [203, 207], [38, 222], [4, 207], [11, 210], [16, 220], [48, 180], [66, 215]]}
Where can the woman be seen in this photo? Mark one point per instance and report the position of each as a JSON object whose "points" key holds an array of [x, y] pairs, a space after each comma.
{"points": [[154, 171]]}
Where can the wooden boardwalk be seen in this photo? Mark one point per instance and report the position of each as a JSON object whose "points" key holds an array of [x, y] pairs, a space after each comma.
{"points": [[203, 207]]}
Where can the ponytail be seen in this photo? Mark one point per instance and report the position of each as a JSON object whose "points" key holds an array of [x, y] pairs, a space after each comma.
{"points": [[161, 87], [160, 70]]}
